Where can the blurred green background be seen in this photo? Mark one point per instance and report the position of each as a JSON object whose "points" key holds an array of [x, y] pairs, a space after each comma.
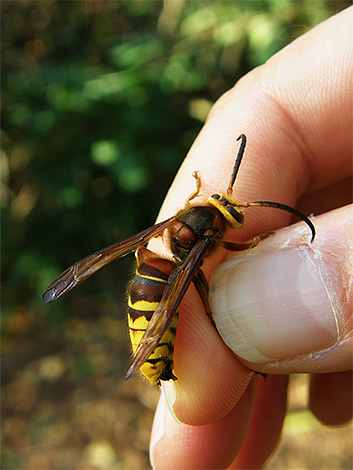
{"points": [[101, 101]]}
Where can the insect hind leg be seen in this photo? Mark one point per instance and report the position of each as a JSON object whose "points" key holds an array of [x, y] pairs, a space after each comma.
{"points": [[201, 285], [240, 246]]}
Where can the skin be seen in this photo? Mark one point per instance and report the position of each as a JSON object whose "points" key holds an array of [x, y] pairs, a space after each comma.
{"points": [[296, 111]]}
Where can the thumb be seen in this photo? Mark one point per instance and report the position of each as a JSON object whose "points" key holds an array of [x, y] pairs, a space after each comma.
{"points": [[286, 305]]}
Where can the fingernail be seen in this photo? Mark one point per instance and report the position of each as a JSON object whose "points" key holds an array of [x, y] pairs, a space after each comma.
{"points": [[168, 390], [275, 305]]}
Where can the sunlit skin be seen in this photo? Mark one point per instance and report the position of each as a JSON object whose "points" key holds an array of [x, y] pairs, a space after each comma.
{"points": [[297, 112]]}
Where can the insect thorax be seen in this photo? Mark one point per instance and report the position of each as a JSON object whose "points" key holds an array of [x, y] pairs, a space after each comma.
{"points": [[199, 222]]}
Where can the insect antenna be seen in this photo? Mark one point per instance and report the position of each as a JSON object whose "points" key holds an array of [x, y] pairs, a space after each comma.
{"points": [[284, 207], [237, 164], [275, 205]]}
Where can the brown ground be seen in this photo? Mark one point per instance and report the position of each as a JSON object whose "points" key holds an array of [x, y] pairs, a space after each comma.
{"points": [[66, 406]]}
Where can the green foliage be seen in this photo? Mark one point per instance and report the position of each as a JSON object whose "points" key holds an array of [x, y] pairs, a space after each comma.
{"points": [[101, 101]]}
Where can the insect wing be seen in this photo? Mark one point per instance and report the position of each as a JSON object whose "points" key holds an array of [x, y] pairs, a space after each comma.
{"points": [[168, 306], [87, 266]]}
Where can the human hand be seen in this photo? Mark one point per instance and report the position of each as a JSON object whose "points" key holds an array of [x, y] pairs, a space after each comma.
{"points": [[296, 111]]}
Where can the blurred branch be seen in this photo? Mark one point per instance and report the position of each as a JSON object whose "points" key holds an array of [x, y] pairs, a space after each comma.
{"points": [[170, 16]]}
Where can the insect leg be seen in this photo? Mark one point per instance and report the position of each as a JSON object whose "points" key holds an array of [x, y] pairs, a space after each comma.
{"points": [[201, 284], [196, 175], [239, 246]]}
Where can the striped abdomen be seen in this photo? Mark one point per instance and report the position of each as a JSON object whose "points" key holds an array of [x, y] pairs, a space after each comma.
{"points": [[146, 290]]}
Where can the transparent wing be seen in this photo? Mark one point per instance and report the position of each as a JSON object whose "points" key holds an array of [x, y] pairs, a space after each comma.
{"points": [[87, 266], [179, 282]]}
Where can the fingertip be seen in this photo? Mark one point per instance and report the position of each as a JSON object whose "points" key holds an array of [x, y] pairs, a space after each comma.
{"points": [[169, 391], [177, 445], [331, 397], [158, 429]]}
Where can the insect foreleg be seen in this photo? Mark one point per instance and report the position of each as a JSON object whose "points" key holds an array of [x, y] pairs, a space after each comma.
{"points": [[196, 175]]}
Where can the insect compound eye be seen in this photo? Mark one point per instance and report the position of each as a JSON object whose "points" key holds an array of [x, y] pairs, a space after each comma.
{"points": [[229, 209], [237, 215]]}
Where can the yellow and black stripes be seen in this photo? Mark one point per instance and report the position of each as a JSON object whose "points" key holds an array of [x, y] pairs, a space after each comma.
{"points": [[146, 291], [229, 208]]}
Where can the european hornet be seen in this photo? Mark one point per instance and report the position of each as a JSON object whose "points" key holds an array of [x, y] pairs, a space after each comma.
{"points": [[160, 284]]}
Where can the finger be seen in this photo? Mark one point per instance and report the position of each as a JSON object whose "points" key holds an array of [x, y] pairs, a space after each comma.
{"points": [[266, 423], [288, 308], [204, 365], [214, 446], [331, 397], [285, 158], [299, 131], [326, 199]]}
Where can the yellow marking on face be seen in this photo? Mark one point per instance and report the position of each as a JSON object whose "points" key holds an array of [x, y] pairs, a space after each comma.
{"points": [[223, 210]]}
